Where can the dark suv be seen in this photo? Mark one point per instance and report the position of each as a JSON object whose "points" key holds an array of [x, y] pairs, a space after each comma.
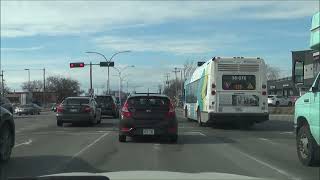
{"points": [[148, 115], [108, 105]]}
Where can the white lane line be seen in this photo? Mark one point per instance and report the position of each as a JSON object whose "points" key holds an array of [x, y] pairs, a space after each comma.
{"points": [[24, 143], [270, 166], [194, 133], [267, 140], [288, 132], [88, 146], [156, 146]]}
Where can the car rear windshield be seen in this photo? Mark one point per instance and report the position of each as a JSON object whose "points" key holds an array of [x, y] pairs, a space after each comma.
{"points": [[104, 99], [77, 101], [239, 82], [145, 101]]}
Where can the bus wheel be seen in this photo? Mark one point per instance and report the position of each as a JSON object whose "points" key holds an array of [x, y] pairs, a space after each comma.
{"points": [[199, 118]]}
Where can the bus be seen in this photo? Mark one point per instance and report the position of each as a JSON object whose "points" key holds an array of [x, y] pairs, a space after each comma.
{"points": [[227, 90]]}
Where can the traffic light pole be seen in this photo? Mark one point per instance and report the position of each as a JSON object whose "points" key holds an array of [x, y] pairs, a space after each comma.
{"points": [[90, 76]]}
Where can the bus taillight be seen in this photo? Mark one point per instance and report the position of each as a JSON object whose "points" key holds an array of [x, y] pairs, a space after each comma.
{"points": [[264, 86], [213, 85], [264, 93], [213, 93]]}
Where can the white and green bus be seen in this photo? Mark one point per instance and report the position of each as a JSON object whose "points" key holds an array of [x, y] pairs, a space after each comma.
{"points": [[227, 90]]}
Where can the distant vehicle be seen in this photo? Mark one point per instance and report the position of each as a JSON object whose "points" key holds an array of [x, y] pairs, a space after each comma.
{"points": [[276, 100], [78, 109], [227, 90], [5, 103], [54, 107], [307, 119], [148, 115], [108, 105], [7, 134], [27, 109]]}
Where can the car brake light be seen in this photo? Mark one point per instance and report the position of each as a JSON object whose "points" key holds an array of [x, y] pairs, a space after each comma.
{"points": [[171, 112], [60, 109], [125, 129], [125, 110], [87, 109]]}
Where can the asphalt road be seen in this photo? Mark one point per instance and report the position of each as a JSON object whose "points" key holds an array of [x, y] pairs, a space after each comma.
{"points": [[266, 150]]}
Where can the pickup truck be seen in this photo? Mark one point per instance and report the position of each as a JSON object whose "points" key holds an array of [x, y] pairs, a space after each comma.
{"points": [[307, 121]]}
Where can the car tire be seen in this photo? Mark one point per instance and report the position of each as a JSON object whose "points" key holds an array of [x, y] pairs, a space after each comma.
{"points": [[19, 114], [307, 148], [59, 123], [277, 104], [6, 142], [173, 138], [290, 104], [200, 123], [122, 138]]}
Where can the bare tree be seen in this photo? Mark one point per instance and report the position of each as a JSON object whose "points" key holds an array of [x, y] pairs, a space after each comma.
{"points": [[273, 72], [63, 87], [189, 68], [34, 86]]}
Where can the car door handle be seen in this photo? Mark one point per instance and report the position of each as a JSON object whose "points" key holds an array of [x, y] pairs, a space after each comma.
{"points": [[306, 100]]}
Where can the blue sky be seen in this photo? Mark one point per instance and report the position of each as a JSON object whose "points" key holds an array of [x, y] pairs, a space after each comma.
{"points": [[161, 36]]}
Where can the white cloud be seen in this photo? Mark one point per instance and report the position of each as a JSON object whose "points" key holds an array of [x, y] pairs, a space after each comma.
{"points": [[189, 45], [21, 49], [28, 18]]}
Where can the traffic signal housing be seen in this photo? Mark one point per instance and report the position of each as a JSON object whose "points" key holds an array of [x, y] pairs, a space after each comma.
{"points": [[77, 65]]}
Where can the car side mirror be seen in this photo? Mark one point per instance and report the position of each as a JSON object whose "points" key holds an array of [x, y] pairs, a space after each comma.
{"points": [[314, 89]]}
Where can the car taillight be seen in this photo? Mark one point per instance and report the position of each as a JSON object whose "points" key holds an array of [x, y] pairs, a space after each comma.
{"points": [[87, 109], [171, 112], [125, 111], [60, 109]]}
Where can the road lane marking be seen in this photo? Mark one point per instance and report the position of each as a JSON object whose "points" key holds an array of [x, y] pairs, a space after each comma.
{"points": [[24, 143], [194, 133], [270, 166], [288, 132], [267, 140], [90, 145]]}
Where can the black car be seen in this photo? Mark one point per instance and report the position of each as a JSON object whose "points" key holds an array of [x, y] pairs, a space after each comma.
{"points": [[5, 103], [108, 105], [7, 134], [78, 109], [148, 115]]}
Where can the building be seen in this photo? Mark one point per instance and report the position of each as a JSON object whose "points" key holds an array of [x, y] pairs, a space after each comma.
{"points": [[34, 97], [283, 87], [309, 58]]}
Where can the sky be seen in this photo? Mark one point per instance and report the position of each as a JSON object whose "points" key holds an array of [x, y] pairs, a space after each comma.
{"points": [[160, 35]]}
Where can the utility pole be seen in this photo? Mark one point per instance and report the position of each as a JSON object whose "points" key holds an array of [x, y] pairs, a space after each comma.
{"points": [[44, 86], [91, 77], [175, 72], [181, 83], [2, 84]]}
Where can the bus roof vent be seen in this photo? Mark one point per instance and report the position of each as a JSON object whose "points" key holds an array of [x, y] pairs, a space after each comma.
{"points": [[228, 67], [248, 67]]}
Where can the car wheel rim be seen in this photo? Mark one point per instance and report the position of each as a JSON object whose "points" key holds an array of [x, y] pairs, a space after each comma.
{"points": [[5, 142], [304, 146]]}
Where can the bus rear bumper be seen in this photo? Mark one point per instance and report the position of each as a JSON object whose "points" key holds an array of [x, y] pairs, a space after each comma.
{"points": [[238, 117]]}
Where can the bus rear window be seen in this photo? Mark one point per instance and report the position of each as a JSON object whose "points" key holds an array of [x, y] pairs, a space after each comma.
{"points": [[238, 82]]}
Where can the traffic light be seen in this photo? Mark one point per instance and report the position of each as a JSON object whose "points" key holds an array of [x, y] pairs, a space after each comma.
{"points": [[106, 64], [77, 65]]}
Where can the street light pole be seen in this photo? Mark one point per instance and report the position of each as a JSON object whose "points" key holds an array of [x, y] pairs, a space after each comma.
{"points": [[28, 79], [120, 79], [108, 81]]}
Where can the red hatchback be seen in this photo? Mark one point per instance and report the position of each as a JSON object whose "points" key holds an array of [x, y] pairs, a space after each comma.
{"points": [[148, 115]]}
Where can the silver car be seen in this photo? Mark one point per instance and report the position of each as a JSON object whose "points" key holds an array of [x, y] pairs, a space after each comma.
{"points": [[78, 109], [27, 109], [276, 100]]}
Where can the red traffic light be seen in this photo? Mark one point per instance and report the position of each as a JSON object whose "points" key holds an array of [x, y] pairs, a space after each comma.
{"points": [[77, 65]]}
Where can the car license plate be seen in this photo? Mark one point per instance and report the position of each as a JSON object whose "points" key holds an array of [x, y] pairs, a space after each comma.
{"points": [[73, 110], [148, 132]]}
